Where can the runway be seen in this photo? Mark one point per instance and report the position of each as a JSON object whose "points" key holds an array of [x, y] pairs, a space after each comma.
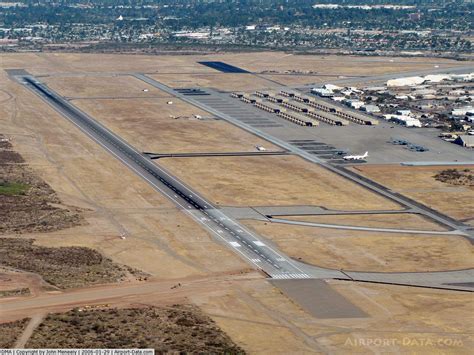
{"points": [[226, 229]]}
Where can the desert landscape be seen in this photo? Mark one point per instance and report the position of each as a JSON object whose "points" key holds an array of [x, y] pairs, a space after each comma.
{"points": [[110, 257]]}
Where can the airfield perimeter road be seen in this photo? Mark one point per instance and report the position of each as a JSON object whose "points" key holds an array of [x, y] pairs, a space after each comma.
{"points": [[414, 206], [263, 256]]}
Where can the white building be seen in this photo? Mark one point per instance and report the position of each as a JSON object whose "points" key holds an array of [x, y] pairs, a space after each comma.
{"points": [[370, 108], [410, 81], [322, 92], [357, 104], [404, 120]]}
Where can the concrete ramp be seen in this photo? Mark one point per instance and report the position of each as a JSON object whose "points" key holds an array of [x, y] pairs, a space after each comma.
{"points": [[319, 299]]}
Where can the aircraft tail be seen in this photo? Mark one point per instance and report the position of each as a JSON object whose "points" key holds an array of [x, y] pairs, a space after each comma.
{"points": [[366, 154]]}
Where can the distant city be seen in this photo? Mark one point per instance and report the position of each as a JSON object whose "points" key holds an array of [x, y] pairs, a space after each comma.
{"points": [[372, 27]]}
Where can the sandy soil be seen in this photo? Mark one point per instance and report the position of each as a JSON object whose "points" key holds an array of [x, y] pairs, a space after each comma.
{"points": [[270, 181], [368, 251], [154, 126], [419, 183], [402, 221]]}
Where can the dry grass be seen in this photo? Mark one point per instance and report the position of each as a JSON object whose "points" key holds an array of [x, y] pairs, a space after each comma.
{"points": [[368, 251], [219, 81], [402, 221], [420, 184], [153, 125], [270, 181], [175, 329], [42, 63], [102, 86]]}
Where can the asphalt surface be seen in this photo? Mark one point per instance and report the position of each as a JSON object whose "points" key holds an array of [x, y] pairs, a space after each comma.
{"points": [[242, 241]]}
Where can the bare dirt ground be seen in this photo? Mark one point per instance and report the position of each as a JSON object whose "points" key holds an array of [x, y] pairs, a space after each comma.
{"points": [[177, 328], [154, 126], [419, 183], [270, 181], [368, 251], [399, 220]]}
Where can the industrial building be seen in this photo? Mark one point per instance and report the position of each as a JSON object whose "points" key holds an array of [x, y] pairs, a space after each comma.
{"points": [[404, 120]]}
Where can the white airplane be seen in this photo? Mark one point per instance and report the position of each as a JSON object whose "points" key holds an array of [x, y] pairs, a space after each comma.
{"points": [[356, 157]]}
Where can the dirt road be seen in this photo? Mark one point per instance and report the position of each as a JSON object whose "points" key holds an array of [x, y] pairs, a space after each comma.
{"points": [[158, 291]]}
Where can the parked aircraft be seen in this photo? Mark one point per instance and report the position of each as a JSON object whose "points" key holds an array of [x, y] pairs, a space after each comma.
{"points": [[356, 157]]}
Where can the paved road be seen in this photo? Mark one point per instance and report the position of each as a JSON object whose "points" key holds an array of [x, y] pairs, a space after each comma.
{"points": [[228, 230], [414, 206]]}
